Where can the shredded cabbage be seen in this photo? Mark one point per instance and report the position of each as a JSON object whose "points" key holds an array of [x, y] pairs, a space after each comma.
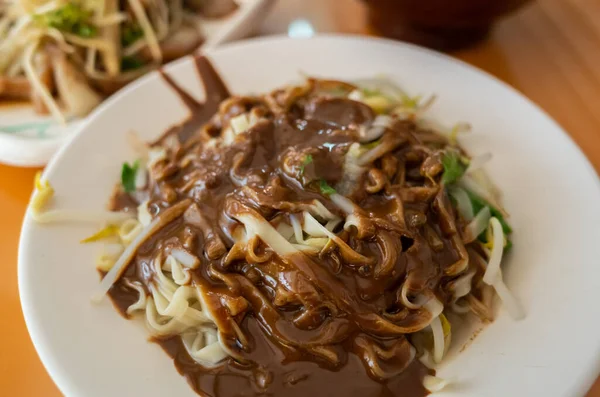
{"points": [[459, 128], [511, 304], [478, 225], [477, 162], [463, 202], [493, 273]]}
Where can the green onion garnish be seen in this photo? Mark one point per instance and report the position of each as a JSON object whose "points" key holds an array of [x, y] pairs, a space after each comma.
{"points": [[325, 188], [128, 173], [454, 168], [307, 160]]}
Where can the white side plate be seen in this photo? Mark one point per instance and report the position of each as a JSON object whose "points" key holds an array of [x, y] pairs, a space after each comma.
{"points": [[28, 139]]}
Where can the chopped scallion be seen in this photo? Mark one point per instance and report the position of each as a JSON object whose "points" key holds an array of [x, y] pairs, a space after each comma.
{"points": [[325, 188], [128, 173]]}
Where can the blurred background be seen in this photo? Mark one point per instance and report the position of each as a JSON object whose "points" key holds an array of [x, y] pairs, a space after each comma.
{"points": [[547, 49]]}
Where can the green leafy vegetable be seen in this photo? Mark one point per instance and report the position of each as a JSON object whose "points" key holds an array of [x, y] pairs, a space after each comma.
{"points": [[130, 33], [71, 18], [307, 160], [478, 203], [454, 168], [128, 176], [130, 63], [325, 188]]}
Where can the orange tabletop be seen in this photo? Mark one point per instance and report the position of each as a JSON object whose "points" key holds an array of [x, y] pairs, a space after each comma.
{"points": [[550, 51]]}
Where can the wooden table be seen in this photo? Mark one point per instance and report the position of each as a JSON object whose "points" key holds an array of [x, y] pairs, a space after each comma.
{"points": [[549, 51]]}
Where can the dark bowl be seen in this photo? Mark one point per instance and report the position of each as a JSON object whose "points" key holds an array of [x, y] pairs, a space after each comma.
{"points": [[440, 24]]}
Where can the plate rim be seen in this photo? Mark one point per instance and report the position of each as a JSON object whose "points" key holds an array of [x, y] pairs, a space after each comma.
{"points": [[588, 374]]}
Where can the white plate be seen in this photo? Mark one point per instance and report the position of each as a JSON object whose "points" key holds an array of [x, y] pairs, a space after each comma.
{"points": [[29, 140], [550, 189]]}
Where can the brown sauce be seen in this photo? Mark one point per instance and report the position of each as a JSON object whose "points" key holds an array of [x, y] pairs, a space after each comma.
{"points": [[293, 375], [249, 174]]}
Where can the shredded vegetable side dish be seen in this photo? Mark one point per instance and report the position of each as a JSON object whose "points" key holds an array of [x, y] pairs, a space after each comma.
{"points": [[317, 239], [67, 56]]}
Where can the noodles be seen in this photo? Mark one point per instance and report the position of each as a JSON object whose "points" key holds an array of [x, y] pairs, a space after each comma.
{"points": [[110, 253], [300, 238], [313, 227], [185, 258], [180, 274], [204, 348], [141, 303], [129, 230], [158, 223]]}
